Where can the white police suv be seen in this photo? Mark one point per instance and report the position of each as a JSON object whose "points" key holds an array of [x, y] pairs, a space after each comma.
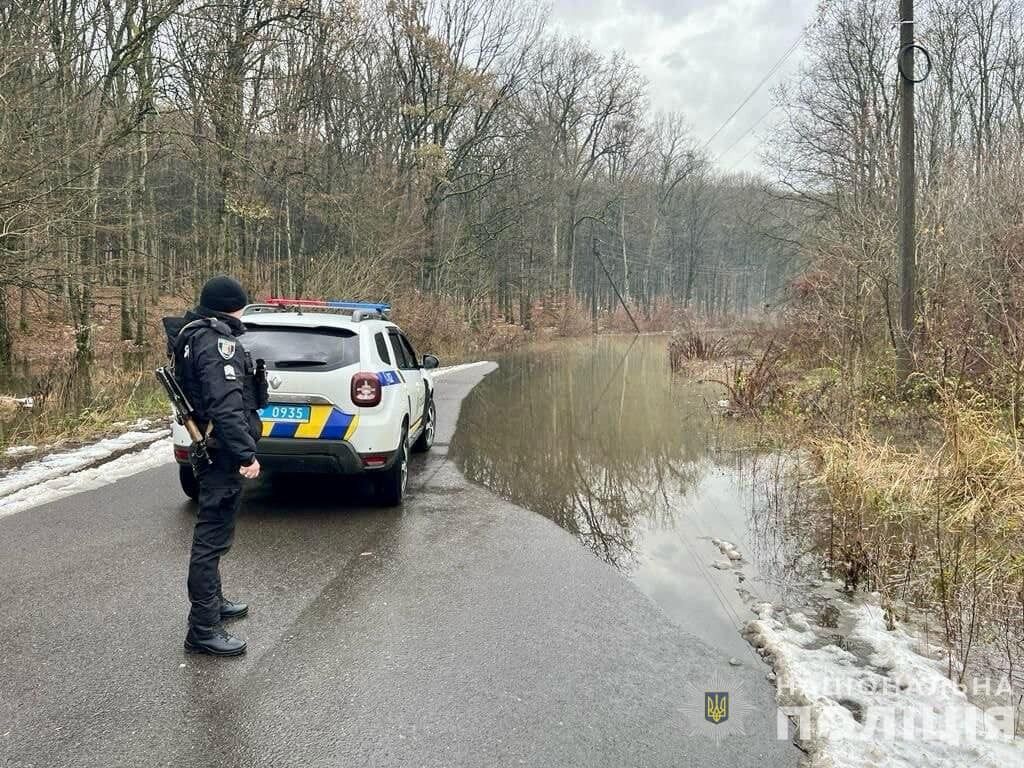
{"points": [[348, 394]]}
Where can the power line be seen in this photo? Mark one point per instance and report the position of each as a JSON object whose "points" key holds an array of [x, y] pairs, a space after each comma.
{"points": [[758, 87], [740, 161], [747, 132]]}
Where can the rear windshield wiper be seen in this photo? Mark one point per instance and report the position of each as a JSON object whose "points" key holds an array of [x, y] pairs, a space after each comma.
{"points": [[298, 363]]}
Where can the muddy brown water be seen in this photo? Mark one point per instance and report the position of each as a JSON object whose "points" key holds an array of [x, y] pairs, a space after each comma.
{"points": [[645, 469]]}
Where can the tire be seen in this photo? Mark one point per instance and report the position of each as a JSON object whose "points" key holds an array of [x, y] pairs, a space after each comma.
{"points": [[189, 484], [390, 484], [426, 439]]}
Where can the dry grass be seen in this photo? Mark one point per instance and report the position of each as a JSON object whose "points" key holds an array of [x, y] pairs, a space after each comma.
{"points": [[925, 492], [77, 400], [747, 362], [690, 345], [941, 530], [69, 408], [565, 317], [45, 340]]}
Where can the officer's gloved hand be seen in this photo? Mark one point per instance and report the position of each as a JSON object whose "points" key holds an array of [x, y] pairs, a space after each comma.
{"points": [[250, 471]]}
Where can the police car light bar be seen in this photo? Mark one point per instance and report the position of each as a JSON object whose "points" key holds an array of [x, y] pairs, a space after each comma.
{"points": [[330, 304]]}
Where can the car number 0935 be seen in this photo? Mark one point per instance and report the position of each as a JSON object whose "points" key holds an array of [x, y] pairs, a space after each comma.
{"points": [[286, 413]]}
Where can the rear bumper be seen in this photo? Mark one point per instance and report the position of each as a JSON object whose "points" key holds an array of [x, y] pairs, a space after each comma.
{"points": [[284, 454], [332, 457], [328, 457]]}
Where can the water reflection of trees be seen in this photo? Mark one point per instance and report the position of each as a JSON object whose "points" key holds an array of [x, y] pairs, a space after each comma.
{"points": [[590, 435], [782, 499]]}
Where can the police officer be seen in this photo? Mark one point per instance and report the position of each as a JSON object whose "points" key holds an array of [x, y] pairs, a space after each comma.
{"points": [[226, 390]]}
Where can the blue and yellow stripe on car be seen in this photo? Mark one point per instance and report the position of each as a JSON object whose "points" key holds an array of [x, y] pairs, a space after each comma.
{"points": [[325, 423]]}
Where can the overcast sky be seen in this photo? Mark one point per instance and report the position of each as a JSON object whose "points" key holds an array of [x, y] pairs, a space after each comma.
{"points": [[701, 57]]}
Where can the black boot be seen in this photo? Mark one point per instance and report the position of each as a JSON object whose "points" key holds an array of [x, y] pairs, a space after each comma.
{"points": [[231, 610], [213, 640]]}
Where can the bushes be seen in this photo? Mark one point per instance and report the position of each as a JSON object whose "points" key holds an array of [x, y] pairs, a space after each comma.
{"points": [[692, 345], [565, 316], [925, 491], [753, 379], [943, 529], [754, 386], [65, 410], [452, 329]]}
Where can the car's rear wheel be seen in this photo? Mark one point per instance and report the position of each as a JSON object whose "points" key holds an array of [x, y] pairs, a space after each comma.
{"points": [[426, 439], [391, 482], [189, 484]]}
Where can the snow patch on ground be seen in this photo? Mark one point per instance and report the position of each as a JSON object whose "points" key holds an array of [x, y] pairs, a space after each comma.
{"points": [[882, 701], [20, 450], [62, 474], [728, 549]]}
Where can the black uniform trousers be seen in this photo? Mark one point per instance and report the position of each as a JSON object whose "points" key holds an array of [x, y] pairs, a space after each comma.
{"points": [[220, 496]]}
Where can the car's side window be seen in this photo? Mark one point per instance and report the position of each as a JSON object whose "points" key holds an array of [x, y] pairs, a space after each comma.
{"points": [[401, 359], [414, 362], [382, 348]]}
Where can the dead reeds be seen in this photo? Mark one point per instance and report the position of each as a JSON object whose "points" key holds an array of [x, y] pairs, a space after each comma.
{"points": [[942, 529]]}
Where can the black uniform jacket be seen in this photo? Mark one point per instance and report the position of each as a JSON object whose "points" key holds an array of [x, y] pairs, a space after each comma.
{"points": [[218, 377]]}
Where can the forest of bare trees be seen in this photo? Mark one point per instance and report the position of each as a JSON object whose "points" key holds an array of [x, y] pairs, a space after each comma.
{"points": [[369, 148], [837, 152], [358, 148]]}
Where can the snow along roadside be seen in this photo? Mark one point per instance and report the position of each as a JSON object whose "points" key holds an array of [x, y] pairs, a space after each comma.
{"points": [[35, 475], [87, 468], [37, 482], [884, 702]]}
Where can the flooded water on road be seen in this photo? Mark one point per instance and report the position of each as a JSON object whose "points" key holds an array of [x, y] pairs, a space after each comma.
{"points": [[642, 467]]}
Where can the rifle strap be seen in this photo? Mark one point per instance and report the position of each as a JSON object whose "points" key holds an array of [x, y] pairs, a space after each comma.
{"points": [[185, 334], [181, 341]]}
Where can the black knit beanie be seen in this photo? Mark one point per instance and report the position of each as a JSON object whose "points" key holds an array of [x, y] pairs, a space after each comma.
{"points": [[223, 294]]}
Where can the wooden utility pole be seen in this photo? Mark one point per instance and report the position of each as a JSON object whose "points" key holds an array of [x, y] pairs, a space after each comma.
{"points": [[622, 301], [908, 188], [593, 282]]}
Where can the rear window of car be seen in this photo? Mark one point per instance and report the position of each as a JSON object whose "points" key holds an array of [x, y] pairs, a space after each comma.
{"points": [[310, 349], [382, 348], [401, 353]]}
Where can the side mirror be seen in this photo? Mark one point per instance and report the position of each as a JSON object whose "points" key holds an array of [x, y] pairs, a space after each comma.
{"points": [[430, 362]]}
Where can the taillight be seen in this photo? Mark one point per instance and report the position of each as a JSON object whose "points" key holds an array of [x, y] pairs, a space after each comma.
{"points": [[366, 390], [181, 454]]}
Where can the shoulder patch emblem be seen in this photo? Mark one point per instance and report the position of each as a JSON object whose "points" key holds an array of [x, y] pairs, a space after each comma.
{"points": [[226, 347], [229, 372]]}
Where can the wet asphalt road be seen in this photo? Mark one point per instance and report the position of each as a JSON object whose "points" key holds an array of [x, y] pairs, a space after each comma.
{"points": [[459, 631]]}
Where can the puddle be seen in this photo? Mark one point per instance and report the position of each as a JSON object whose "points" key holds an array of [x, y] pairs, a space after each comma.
{"points": [[643, 468], [646, 472]]}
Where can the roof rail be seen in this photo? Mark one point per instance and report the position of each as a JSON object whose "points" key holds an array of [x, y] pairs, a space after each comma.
{"points": [[358, 309]]}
